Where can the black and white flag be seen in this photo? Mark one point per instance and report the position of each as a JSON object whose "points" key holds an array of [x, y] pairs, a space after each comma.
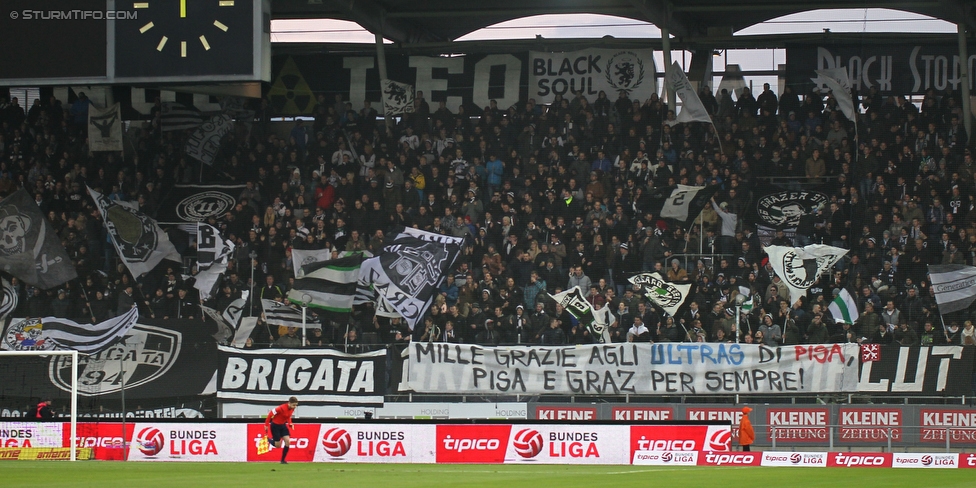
{"points": [[692, 108], [104, 129], [575, 303], [954, 286], [204, 144], [140, 242], [176, 116], [30, 249], [667, 295], [9, 299], [302, 257], [212, 249], [56, 333], [225, 329], [282, 315], [327, 285], [686, 202], [801, 267], [397, 97], [408, 274]]}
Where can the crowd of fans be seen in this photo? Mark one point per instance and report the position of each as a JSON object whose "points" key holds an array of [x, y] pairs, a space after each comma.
{"points": [[547, 198]]}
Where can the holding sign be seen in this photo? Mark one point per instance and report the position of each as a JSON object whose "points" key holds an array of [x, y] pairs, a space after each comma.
{"points": [[642, 369]]}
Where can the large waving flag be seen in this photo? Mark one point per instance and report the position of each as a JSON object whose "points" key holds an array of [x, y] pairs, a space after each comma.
{"points": [[667, 295], [140, 242], [801, 267], [301, 257], [954, 286], [29, 246], [686, 202], [212, 255], [327, 285], [692, 108], [840, 85], [51, 333]]}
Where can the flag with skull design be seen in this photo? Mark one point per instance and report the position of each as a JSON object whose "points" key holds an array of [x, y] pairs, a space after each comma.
{"points": [[30, 249]]}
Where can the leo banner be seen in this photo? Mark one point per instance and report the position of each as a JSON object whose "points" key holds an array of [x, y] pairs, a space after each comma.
{"points": [[642, 369]]}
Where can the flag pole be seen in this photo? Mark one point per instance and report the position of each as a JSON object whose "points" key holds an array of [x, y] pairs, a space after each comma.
{"points": [[945, 330]]}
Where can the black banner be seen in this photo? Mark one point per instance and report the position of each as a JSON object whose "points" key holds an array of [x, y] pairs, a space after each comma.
{"points": [[315, 376], [188, 204], [899, 69], [775, 207], [908, 371]]}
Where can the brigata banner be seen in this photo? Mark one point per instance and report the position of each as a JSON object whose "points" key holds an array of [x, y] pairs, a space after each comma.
{"points": [[642, 369], [315, 376]]}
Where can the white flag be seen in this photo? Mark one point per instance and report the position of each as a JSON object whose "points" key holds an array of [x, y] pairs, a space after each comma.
{"points": [[397, 97], [843, 308], [211, 248], [801, 267], [301, 257], [104, 129], [954, 286], [669, 296], [837, 80], [692, 108]]}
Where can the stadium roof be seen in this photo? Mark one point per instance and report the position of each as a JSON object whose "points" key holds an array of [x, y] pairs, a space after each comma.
{"points": [[408, 22]]}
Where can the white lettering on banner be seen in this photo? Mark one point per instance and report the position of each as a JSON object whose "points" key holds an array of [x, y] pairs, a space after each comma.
{"points": [[902, 382], [189, 442], [426, 82], [461, 445], [633, 368], [591, 71], [937, 70], [31, 434]]}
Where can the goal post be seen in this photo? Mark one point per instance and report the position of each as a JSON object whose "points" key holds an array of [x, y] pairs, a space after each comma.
{"points": [[74, 389]]}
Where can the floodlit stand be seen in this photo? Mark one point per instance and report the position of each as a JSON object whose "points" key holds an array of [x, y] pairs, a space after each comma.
{"points": [[74, 389]]}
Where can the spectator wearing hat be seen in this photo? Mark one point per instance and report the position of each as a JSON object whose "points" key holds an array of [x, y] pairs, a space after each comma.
{"points": [[747, 435]]}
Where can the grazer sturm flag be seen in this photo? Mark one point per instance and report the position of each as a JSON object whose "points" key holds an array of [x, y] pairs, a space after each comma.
{"points": [[302, 257], [56, 333], [954, 286], [327, 285], [176, 116], [667, 295], [801, 267], [397, 97], [843, 308], [686, 202], [408, 274], [140, 242], [104, 129], [204, 144], [575, 303], [280, 314], [692, 108], [840, 85], [30, 249]]}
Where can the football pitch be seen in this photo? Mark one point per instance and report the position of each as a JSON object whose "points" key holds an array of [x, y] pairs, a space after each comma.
{"points": [[212, 475]]}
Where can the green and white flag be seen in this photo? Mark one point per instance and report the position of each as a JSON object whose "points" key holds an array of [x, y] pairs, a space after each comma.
{"points": [[327, 285], [669, 296], [747, 306], [843, 308]]}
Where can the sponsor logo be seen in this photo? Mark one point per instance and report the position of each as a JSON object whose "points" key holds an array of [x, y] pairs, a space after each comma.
{"points": [[908, 460], [728, 459], [145, 354], [719, 439], [798, 459], [785, 208], [625, 71], [565, 413], [150, 441], [473, 443], [642, 414], [967, 460], [527, 443], [870, 425], [336, 442], [669, 458], [798, 425], [201, 206], [959, 425], [853, 459]]}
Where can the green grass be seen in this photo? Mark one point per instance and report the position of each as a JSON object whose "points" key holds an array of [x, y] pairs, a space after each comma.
{"points": [[212, 475]]}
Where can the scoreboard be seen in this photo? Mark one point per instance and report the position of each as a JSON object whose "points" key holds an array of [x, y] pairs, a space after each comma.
{"points": [[56, 42]]}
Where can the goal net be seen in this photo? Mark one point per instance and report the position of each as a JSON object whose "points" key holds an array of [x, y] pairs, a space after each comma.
{"points": [[25, 434]]}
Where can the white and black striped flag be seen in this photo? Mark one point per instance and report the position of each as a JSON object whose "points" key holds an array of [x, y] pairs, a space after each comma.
{"points": [[176, 116], [954, 286], [281, 314], [9, 299], [327, 285], [51, 333]]}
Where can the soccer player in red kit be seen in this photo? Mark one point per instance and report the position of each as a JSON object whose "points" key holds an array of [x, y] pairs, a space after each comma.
{"points": [[279, 421]]}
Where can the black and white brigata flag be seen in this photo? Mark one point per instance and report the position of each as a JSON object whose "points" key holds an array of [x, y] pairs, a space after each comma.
{"points": [[686, 202], [30, 249], [140, 242], [204, 144], [954, 286], [801, 267], [282, 315], [104, 129], [56, 333], [212, 254], [692, 108], [327, 285], [397, 97]]}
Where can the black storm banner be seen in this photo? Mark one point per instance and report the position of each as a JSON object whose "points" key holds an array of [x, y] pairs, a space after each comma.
{"points": [[315, 376], [935, 370], [901, 69]]}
